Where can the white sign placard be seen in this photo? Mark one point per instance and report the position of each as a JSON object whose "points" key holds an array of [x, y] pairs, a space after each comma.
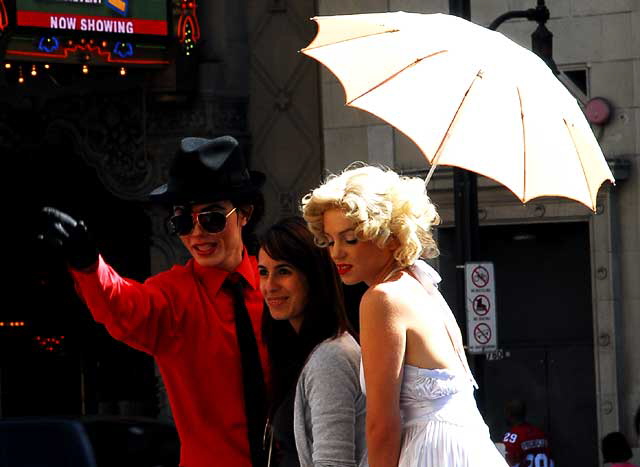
{"points": [[480, 298]]}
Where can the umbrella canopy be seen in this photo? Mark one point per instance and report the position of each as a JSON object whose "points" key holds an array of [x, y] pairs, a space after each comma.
{"points": [[468, 97]]}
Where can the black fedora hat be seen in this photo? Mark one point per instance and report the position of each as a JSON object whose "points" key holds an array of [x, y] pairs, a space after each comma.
{"points": [[208, 170]]}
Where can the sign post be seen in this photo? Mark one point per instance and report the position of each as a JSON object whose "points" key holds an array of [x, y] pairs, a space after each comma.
{"points": [[480, 299]]}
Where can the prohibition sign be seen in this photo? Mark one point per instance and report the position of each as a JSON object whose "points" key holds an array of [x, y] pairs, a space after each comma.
{"points": [[481, 305], [480, 277], [482, 333]]}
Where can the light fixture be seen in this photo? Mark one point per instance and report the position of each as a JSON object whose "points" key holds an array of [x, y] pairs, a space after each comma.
{"points": [[47, 66], [20, 75], [34, 70], [85, 69], [7, 66], [123, 71], [123, 49], [49, 44]]}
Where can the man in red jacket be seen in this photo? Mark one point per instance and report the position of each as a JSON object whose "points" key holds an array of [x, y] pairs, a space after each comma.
{"points": [[526, 445], [200, 321]]}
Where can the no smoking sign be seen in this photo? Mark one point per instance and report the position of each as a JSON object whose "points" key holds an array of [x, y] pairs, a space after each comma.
{"points": [[481, 309]]}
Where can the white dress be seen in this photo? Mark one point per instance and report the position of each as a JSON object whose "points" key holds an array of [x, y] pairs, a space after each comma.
{"points": [[441, 424]]}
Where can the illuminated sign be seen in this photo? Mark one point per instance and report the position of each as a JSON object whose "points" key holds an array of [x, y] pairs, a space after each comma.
{"points": [[118, 5], [124, 17]]}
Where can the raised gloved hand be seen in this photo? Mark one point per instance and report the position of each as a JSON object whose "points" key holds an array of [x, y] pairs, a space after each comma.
{"points": [[71, 237]]}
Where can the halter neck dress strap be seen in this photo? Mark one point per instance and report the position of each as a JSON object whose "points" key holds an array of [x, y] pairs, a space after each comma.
{"points": [[429, 279]]}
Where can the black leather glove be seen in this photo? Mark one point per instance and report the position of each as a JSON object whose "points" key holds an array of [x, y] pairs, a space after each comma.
{"points": [[71, 237]]}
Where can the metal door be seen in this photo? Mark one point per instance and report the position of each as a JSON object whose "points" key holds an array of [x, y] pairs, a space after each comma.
{"points": [[545, 326]]}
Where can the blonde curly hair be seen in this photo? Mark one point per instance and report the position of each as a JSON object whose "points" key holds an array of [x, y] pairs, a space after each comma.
{"points": [[382, 205]]}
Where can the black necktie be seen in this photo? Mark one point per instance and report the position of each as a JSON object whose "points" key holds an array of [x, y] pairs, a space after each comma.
{"points": [[252, 377]]}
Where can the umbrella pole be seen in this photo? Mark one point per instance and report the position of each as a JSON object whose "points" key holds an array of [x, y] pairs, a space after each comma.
{"points": [[431, 170]]}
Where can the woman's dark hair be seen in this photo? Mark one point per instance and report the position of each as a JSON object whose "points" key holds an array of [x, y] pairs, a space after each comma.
{"points": [[615, 448], [324, 316], [242, 202]]}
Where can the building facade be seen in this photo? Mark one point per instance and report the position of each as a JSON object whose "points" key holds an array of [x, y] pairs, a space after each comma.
{"points": [[567, 295]]}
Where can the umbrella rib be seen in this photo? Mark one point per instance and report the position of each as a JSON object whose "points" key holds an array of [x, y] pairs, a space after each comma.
{"points": [[395, 74], [524, 149], [349, 39], [584, 172], [455, 116]]}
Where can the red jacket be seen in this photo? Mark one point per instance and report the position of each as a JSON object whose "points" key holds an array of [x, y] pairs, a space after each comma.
{"points": [[185, 320], [527, 446]]}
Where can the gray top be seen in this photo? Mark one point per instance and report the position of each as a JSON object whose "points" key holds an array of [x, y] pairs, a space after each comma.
{"points": [[329, 410]]}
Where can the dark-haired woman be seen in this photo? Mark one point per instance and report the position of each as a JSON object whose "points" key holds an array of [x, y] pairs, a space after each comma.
{"points": [[317, 411]]}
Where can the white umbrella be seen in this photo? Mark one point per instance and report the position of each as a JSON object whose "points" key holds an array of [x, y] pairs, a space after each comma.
{"points": [[468, 97]]}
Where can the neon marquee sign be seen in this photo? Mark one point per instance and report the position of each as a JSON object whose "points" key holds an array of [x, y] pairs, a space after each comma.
{"points": [[148, 17]]}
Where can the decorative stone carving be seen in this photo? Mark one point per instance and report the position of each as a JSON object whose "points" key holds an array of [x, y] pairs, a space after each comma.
{"points": [[283, 100], [288, 203], [229, 115], [206, 117], [168, 120], [108, 132]]}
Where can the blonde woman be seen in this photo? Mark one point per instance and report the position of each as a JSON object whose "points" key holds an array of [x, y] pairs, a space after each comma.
{"points": [[420, 405]]}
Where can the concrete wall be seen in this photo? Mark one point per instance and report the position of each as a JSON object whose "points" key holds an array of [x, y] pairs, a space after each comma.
{"points": [[602, 37]]}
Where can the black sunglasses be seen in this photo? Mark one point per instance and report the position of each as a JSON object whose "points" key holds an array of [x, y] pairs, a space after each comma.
{"points": [[211, 221]]}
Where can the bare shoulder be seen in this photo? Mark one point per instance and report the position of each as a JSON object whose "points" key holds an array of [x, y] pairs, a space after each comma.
{"points": [[382, 299], [377, 296], [400, 296]]}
